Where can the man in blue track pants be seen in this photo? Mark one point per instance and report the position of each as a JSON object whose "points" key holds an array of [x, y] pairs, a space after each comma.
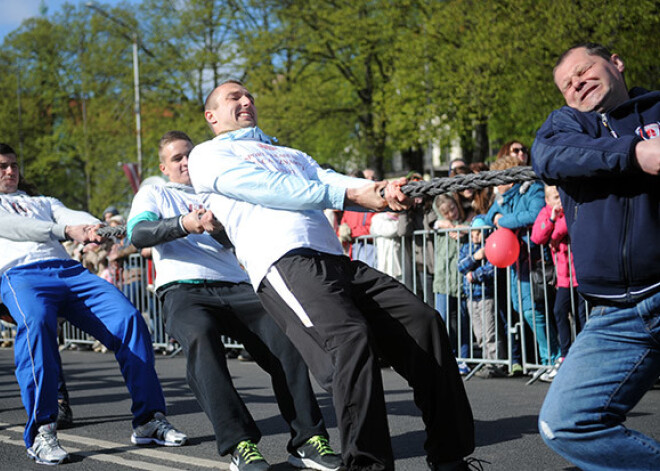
{"points": [[39, 283]]}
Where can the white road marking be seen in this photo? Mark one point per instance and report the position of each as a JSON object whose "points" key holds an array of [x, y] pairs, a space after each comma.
{"points": [[120, 448], [11, 441]]}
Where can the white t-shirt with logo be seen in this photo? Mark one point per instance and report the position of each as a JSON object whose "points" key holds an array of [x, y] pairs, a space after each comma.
{"points": [[194, 257]]}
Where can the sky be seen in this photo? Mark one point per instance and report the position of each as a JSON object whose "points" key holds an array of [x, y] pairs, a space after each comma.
{"points": [[13, 12]]}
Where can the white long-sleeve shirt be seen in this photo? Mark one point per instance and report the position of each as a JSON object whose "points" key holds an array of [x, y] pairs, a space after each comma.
{"points": [[31, 228], [269, 198]]}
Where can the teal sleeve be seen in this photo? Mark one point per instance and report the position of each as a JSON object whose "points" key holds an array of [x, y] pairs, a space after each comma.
{"points": [[144, 216]]}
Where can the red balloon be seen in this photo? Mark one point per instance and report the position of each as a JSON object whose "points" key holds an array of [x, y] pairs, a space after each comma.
{"points": [[502, 248]]}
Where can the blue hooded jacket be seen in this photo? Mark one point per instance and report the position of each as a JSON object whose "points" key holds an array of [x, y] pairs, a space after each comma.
{"points": [[483, 273], [519, 206], [612, 207]]}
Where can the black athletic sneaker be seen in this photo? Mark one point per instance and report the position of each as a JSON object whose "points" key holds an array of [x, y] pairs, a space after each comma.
{"points": [[316, 454], [246, 457], [159, 431], [64, 415], [245, 356]]}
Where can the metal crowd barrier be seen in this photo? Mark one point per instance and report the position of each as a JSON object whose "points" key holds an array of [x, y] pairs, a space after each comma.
{"points": [[135, 280], [417, 260], [418, 269]]}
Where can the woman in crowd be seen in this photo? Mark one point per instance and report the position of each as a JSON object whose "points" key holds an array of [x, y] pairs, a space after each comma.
{"points": [[514, 149]]}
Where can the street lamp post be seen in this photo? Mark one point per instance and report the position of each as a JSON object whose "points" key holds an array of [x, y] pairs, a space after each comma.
{"points": [[136, 94], [135, 39]]}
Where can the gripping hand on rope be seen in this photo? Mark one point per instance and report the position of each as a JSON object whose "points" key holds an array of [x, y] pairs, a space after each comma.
{"points": [[647, 155], [379, 196], [199, 221], [84, 233], [397, 200]]}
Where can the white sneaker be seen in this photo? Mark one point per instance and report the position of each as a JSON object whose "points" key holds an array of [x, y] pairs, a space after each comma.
{"points": [[46, 448], [548, 376], [463, 369], [159, 431]]}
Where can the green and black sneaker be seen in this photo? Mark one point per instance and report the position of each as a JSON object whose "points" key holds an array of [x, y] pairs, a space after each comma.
{"points": [[246, 457], [316, 454]]}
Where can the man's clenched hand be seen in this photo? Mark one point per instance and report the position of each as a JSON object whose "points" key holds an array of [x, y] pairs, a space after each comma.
{"points": [[84, 233], [199, 221], [379, 196]]}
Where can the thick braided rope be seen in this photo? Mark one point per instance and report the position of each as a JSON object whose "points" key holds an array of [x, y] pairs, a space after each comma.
{"points": [[437, 186], [109, 231], [472, 181]]}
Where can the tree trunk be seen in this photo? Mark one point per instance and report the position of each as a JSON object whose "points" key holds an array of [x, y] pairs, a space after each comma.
{"points": [[481, 145]]}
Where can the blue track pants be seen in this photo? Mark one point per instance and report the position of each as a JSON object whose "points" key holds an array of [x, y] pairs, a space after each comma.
{"points": [[36, 294]]}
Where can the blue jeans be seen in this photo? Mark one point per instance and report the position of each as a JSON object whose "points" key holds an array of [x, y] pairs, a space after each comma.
{"points": [[611, 365], [563, 306], [501, 296], [365, 252], [457, 309]]}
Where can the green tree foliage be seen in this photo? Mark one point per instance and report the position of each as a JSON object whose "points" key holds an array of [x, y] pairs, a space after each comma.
{"points": [[324, 66]]}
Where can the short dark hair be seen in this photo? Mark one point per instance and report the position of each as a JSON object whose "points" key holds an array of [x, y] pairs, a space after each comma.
{"points": [[593, 49], [209, 103], [23, 184], [460, 161], [6, 149], [171, 136]]}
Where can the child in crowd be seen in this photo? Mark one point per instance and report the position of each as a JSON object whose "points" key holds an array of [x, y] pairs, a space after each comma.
{"points": [[446, 279], [385, 226], [550, 228], [478, 289], [359, 224], [104, 271]]}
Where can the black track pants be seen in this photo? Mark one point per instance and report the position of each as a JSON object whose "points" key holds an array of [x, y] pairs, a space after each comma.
{"points": [[342, 315], [196, 315]]}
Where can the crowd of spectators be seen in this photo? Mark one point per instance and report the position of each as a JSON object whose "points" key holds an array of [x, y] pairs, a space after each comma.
{"points": [[437, 249]]}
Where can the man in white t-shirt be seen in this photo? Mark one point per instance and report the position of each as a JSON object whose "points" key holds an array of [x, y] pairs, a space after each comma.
{"points": [[206, 294], [270, 200]]}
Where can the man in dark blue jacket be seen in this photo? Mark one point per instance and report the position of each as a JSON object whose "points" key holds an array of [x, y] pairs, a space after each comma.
{"points": [[601, 152]]}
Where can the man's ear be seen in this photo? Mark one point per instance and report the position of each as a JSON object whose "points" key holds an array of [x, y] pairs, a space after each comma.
{"points": [[161, 166], [210, 117], [618, 62]]}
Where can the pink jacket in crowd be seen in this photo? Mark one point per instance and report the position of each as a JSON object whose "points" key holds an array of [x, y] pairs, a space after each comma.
{"points": [[555, 234]]}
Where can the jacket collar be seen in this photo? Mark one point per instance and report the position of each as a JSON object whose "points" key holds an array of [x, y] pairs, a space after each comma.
{"points": [[253, 133], [180, 187]]}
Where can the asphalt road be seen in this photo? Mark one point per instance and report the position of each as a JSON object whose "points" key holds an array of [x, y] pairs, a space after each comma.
{"points": [[505, 413]]}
